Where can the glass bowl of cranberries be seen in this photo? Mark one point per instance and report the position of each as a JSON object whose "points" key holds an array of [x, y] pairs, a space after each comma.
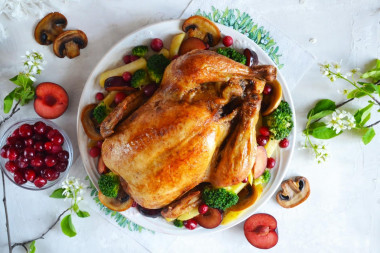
{"points": [[35, 153]]}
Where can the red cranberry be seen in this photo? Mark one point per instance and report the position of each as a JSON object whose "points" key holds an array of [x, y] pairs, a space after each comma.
{"points": [[30, 175], [262, 140], [10, 166], [61, 166], [264, 131], [57, 139], [94, 152], [120, 96], [149, 89], [56, 148], [156, 44], [51, 174], [12, 154], [127, 76], [50, 160], [99, 144], [22, 162], [51, 133], [15, 133], [48, 146], [39, 146], [134, 204], [29, 152], [207, 46], [245, 180], [19, 144], [63, 155], [12, 140], [38, 137], [40, 182], [228, 41], [271, 163], [4, 151], [267, 89], [284, 143], [134, 58], [47, 129], [29, 142], [203, 208], [99, 96], [36, 162], [19, 178], [190, 224], [26, 130], [39, 127], [127, 59]]}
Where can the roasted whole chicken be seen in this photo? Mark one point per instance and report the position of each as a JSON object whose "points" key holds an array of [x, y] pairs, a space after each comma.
{"points": [[199, 126]]}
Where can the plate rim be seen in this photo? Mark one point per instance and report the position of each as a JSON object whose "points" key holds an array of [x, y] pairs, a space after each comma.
{"points": [[269, 191]]}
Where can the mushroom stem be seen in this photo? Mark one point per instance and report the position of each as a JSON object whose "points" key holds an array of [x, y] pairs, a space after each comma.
{"points": [[72, 49]]}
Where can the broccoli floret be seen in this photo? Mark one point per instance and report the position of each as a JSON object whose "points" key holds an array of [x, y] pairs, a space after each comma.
{"points": [[139, 78], [232, 54], [156, 66], [178, 223], [219, 198], [140, 51], [100, 112], [280, 122], [263, 179], [109, 184]]}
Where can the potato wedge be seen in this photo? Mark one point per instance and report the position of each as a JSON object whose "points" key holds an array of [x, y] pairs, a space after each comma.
{"points": [[165, 53], [130, 67], [176, 44]]}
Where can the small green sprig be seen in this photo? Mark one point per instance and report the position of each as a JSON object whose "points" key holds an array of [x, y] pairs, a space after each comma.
{"points": [[326, 121], [71, 189]]}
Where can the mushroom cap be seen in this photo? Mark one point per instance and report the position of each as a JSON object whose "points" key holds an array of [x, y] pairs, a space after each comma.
{"points": [[294, 192], [202, 28], [49, 28], [69, 42]]}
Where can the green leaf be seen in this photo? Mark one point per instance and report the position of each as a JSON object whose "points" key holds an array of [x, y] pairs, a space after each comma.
{"points": [[368, 135], [58, 194], [75, 207], [68, 227], [321, 114], [8, 101], [356, 93], [363, 115], [374, 73], [320, 131], [82, 214], [32, 247], [322, 105]]}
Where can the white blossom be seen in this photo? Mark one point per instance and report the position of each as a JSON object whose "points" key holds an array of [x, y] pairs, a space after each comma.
{"points": [[320, 152], [340, 120]]}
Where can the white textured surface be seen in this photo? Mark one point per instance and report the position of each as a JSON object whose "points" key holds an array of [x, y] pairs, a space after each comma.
{"points": [[342, 213]]}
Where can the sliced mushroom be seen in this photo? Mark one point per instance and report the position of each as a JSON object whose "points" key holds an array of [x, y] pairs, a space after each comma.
{"points": [[202, 28], [88, 124], [49, 28], [69, 43], [273, 100], [294, 192]]}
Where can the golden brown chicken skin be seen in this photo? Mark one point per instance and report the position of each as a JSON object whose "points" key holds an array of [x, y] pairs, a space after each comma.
{"points": [[183, 135]]}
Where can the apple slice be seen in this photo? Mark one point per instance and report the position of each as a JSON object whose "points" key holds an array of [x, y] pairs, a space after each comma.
{"points": [[51, 100], [260, 163], [260, 230], [211, 219]]}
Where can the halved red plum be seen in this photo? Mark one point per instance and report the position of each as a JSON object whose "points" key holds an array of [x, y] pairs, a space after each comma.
{"points": [[260, 230], [211, 219]]}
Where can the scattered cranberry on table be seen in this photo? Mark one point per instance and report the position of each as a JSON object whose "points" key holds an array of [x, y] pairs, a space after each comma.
{"points": [[156, 44], [284, 143], [35, 154], [228, 41], [271, 162]]}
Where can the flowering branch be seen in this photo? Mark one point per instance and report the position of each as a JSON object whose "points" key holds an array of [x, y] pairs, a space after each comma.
{"points": [[326, 121]]}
